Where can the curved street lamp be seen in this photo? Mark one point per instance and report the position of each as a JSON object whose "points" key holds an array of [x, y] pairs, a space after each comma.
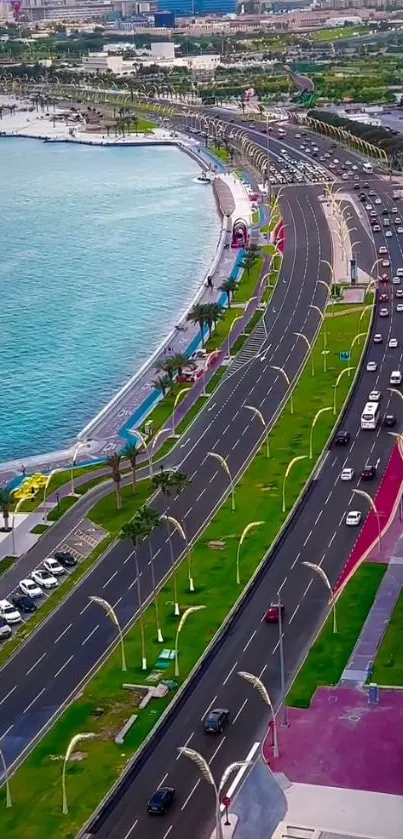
{"points": [[318, 570], [222, 461], [259, 415], [246, 530], [240, 317], [181, 624], [322, 317], [9, 803], [205, 770], [283, 373], [109, 610], [310, 348], [79, 446], [45, 490], [339, 377], [287, 472], [262, 690], [143, 441], [180, 528], [170, 520], [314, 421], [373, 507], [178, 395], [70, 748]]}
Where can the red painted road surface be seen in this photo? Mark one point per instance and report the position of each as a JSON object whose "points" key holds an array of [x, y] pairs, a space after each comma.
{"points": [[279, 236], [389, 490], [341, 741]]}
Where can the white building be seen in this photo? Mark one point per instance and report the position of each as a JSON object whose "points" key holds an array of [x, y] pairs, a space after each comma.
{"points": [[165, 49]]}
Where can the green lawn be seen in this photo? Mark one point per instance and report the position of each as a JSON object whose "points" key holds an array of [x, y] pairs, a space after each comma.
{"points": [[59, 509], [6, 563], [40, 528], [36, 785], [388, 668], [248, 283], [330, 652], [107, 516], [221, 153]]}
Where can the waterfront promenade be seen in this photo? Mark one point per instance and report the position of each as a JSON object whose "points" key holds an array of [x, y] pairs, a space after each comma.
{"points": [[129, 408]]}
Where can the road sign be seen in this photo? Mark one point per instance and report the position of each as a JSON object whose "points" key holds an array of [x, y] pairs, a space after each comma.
{"points": [[226, 801], [344, 356]]}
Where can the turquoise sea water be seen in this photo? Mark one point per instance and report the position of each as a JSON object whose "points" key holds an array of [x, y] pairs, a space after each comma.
{"points": [[101, 250]]}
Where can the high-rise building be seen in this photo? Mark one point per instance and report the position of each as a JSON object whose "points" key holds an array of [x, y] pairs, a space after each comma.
{"points": [[188, 8]]}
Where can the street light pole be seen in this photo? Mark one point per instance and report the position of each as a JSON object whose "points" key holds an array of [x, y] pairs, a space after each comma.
{"points": [[373, 506], [180, 528], [322, 317], [109, 610], [178, 395], [181, 623], [314, 421], [310, 348], [258, 684], [282, 371], [225, 466], [9, 803], [339, 377], [287, 472], [229, 335], [318, 570], [261, 418], [70, 748], [244, 534], [73, 463], [168, 520]]}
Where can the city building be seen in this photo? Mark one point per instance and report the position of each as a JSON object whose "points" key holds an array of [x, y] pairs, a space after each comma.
{"points": [[165, 19], [188, 8]]}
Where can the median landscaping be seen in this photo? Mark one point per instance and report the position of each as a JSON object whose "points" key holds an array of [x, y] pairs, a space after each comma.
{"points": [[388, 666], [104, 706]]}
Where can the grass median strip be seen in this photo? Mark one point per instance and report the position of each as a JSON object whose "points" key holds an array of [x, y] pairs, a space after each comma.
{"points": [[330, 653], [36, 785], [388, 667]]}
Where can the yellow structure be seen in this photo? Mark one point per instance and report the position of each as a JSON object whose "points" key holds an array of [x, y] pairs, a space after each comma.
{"points": [[30, 486]]}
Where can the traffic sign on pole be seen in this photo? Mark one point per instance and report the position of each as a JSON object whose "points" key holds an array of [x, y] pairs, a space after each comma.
{"points": [[344, 356], [226, 801]]}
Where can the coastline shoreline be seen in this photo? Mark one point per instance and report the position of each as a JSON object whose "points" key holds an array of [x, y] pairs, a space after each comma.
{"points": [[92, 454]]}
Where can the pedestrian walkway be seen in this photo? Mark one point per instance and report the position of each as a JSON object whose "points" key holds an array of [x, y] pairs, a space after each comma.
{"points": [[250, 351], [260, 804], [359, 667]]}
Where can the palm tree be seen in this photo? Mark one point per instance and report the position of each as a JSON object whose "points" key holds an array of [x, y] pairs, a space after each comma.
{"points": [[130, 451], [172, 363], [179, 480], [135, 531], [251, 257], [213, 313], [229, 287], [113, 461], [197, 315], [162, 383], [150, 519], [163, 481], [6, 502]]}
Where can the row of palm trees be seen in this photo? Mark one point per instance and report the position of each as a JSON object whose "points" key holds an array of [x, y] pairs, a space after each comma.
{"points": [[139, 529]]}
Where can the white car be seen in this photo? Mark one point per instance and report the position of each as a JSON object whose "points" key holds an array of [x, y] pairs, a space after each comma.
{"points": [[374, 396], [399, 307], [382, 249], [347, 474], [30, 588], [393, 343], [399, 293], [371, 366], [368, 207], [53, 566], [384, 313], [353, 518], [9, 612], [396, 281], [394, 210], [400, 229], [378, 338], [399, 272], [377, 201], [388, 234], [385, 263], [43, 578]]}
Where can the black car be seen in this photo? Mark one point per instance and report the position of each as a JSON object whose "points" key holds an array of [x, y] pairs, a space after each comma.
{"points": [[216, 720], [363, 198], [24, 603], [368, 473], [161, 801], [5, 630], [385, 212], [342, 438], [65, 558], [389, 421], [357, 186]]}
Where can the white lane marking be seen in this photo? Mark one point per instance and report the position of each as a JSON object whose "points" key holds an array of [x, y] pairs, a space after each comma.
{"points": [[217, 749], [184, 804], [35, 665], [239, 775], [89, 636], [8, 694], [86, 607], [328, 497], [230, 673], [110, 579], [294, 613], [248, 642], [167, 832], [6, 731], [239, 712], [133, 583], [307, 539], [117, 602], [201, 493], [63, 666], [208, 707], [307, 588], [296, 559], [262, 671], [318, 517], [131, 828], [34, 700], [62, 633], [162, 780], [186, 744]]}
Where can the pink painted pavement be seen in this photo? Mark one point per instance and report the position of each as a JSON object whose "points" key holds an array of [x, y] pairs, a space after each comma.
{"points": [[279, 236], [341, 741], [389, 489]]}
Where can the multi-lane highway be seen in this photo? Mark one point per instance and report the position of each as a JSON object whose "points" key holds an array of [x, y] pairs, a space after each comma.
{"points": [[44, 673], [48, 669]]}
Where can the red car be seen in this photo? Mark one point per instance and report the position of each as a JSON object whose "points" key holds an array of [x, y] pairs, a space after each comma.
{"points": [[273, 613], [383, 298], [384, 278]]}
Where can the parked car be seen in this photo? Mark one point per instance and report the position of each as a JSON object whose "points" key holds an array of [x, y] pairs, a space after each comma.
{"points": [[216, 720], [43, 578], [65, 558], [24, 603], [161, 801], [53, 566], [29, 587], [9, 612], [5, 629]]}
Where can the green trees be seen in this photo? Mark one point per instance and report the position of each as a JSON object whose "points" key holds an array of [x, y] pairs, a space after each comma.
{"points": [[162, 383], [197, 315], [6, 502], [135, 531], [173, 363], [206, 314], [130, 451], [113, 461], [252, 254], [228, 286]]}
